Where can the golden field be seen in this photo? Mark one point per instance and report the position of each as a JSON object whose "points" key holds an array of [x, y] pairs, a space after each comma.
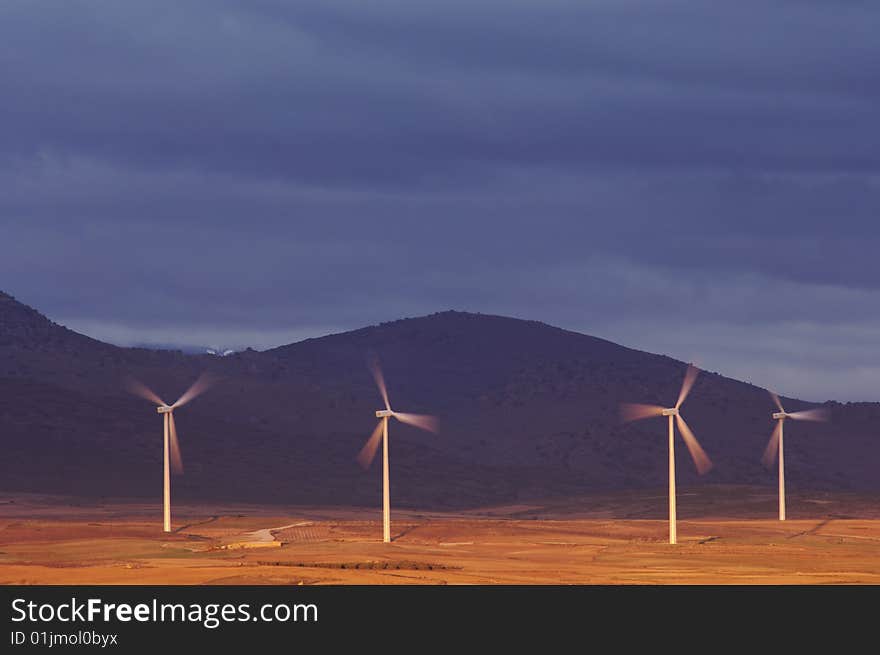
{"points": [[727, 535]]}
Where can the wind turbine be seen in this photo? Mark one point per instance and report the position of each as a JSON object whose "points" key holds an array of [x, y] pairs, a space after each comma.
{"points": [[171, 447], [635, 412], [368, 452], [774, 446]]}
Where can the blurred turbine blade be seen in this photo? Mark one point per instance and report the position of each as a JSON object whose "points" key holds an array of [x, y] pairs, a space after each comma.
{"points": [[701, 459], [176, 459], [690, 377], [819, 414], [776, 400], [635, 412], [200, 386], [142, 390], [376, 370], [423, 421], [368, 452], [772, 449]]}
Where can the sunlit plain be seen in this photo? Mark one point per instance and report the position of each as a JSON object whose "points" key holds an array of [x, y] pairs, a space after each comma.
{"points": [[602, 539]]}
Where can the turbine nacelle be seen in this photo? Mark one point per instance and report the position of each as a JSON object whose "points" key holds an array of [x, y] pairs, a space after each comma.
{"points": [[421, 421], [196, 389], [636, 412], [774, 446]]}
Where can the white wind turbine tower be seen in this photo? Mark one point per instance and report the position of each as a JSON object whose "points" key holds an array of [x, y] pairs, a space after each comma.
{"points": [[634, 412], [171, 447], [774, 446], [368, 452]]}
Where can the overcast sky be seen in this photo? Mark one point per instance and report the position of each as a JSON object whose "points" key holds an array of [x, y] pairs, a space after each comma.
{"points": [[699, 179]]}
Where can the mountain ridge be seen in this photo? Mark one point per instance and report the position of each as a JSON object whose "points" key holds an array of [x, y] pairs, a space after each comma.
{"points": [[526, 409]]}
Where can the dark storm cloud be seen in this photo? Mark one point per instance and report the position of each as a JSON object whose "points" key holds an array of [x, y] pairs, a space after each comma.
{"points": [[679, 176], [314, 90]]}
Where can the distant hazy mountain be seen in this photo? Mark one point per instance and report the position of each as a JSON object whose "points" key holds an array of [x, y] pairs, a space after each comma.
{"points": [[188, 349], [526, 410]]}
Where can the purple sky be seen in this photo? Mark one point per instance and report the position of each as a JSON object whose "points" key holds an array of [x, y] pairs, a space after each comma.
{"points": [[693, 178]]}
